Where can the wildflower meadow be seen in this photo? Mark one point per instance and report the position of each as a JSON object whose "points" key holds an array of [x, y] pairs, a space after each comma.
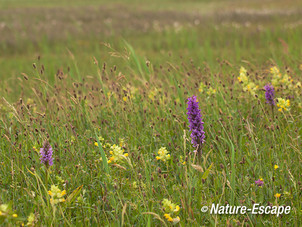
{"points": [[162, 113]]}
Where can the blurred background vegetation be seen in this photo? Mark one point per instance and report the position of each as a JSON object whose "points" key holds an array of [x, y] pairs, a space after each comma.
{"points": [[65, 34]]}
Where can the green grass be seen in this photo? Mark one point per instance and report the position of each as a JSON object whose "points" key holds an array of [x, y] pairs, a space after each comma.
{"points": [[132, 84]]}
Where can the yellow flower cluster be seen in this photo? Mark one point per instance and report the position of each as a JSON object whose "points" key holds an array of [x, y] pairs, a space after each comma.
{"points": [[129, 92], [202, 86], [275, 71], [242, 76], [283, 104], [163, 154], [277, 195], [117, 153], [170, 219], [56, 195], [31, 220], [5, 211], [181, 160], [297, 89], [285, 81], [111, 94], [210, 90], [153, 93], [278, 80], [104, 145], [29, 101], [171, 210], [170, 207], [122, 142], [246, 83], [101, 139]]}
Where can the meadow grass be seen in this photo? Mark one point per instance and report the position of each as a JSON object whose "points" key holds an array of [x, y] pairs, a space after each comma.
{"points": [[87, 92]]}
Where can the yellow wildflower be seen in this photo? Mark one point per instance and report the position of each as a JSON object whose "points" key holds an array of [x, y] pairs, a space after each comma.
{"points": [[170, 207], [242, 79], [276, 76], [251, 87], [242, 71], [283, 104], [106, 145], [278, 80], [168, 217], [286, 80], [277, 195], [181, 160], [246, 83], [31, 220], [117, 153], [242, 75], [171, 210], [134, 185], [122, 142], [130, 92], [56, 195], [101, 139], [275, 71], [211, 91], [276, 167], [3, 208], [29, 101], [163, 154], [153, 93], [6, 212], [201, 87]]}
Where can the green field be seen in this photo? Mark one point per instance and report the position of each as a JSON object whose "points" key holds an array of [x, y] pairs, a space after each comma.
{"points": [[107, 84]]}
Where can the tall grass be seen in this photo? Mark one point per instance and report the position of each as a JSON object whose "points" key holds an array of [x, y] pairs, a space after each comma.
{"points": [[243, 143], [86, 93]]}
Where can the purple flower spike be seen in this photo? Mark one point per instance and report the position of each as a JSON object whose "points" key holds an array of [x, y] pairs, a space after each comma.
{"points": [[196, 124], [259, 182], [46, 154], [269, 94]]}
